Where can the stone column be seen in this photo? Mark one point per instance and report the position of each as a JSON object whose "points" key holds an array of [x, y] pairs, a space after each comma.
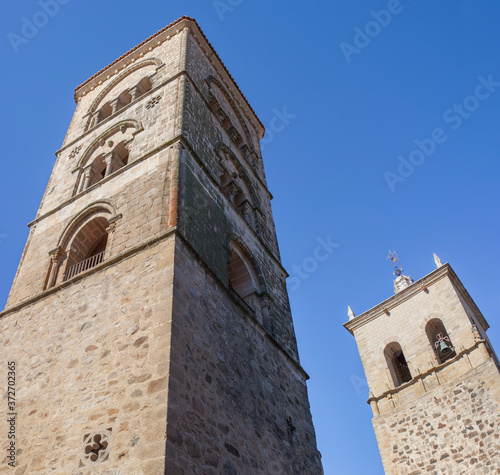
{"points": [[265, 305], [108, 159], [246, 210], [134, 92], [95, 118], [374, 406], [87, 172], [56, 256], [111, 232], [233, 191], [115, 105]]}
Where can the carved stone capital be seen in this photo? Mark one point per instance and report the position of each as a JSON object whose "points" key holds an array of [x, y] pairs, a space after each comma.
{"points": [[115, 105], [112, 223], [134, 92], [56, 254], [265, 301], [108, 158]]}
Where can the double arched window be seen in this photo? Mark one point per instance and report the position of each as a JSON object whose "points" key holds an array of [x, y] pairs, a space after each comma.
{"points": [[237, 187], [103, 164], [106, 154], [124, 98]]}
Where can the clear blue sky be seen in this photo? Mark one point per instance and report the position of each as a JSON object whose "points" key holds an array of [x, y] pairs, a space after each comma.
{"points": [[355, 112]]}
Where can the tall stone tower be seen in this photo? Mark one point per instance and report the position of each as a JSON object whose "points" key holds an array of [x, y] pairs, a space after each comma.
{"points": [[433, 378], [149, 322]]}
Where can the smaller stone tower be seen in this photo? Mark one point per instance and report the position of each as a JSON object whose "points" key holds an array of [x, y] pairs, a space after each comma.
{"points": [[433, 377]]}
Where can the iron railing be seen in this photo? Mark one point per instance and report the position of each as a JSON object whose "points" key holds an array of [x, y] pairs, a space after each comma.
{"points": [[239, 298], [84, 265]]}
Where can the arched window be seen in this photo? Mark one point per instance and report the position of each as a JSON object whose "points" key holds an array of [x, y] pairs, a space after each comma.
{"points": [[439, 340], [104, 112], [397, 364], [234, 184], [120, 101], [87, 248], [144, 86], [229, 116], [242, 280], [103, 165]]}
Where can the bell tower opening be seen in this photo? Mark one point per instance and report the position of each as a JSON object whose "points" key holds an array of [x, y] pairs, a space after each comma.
{"points": [[397, 364], [439, 340], [88, 247]]}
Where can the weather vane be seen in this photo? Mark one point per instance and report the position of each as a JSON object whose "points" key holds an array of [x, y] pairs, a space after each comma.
{"points": [[393, 256]]}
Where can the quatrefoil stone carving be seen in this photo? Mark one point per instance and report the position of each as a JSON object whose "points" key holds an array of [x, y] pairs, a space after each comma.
{"points": [[96, 447]]}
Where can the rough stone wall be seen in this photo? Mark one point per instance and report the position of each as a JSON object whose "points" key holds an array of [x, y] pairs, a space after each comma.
{"points": [[197, 113], [207, 216], [170, 53], [138, 193], [446, 418], [94, 355], [161, 124], [238, 404], [207, 220], [200, 68], [454, 429]]}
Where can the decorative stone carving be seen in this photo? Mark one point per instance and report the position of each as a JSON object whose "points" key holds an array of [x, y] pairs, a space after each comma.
{"points": [[96, 447], [75, 152], [153, 102]]}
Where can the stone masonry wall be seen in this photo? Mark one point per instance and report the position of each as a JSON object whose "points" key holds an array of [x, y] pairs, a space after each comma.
{"points": [[160, 124], [139, 194], [406, 325], [197, 113], [207, 220], [168, 53], [237, 404], [454, 429], [94, 355]]}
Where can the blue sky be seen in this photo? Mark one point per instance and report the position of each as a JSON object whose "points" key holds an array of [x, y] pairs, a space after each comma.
{"points": [[338, 159]]}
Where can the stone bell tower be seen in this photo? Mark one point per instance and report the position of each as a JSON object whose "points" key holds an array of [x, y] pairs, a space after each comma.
{"points": [[433, 377], [149, 320]]}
